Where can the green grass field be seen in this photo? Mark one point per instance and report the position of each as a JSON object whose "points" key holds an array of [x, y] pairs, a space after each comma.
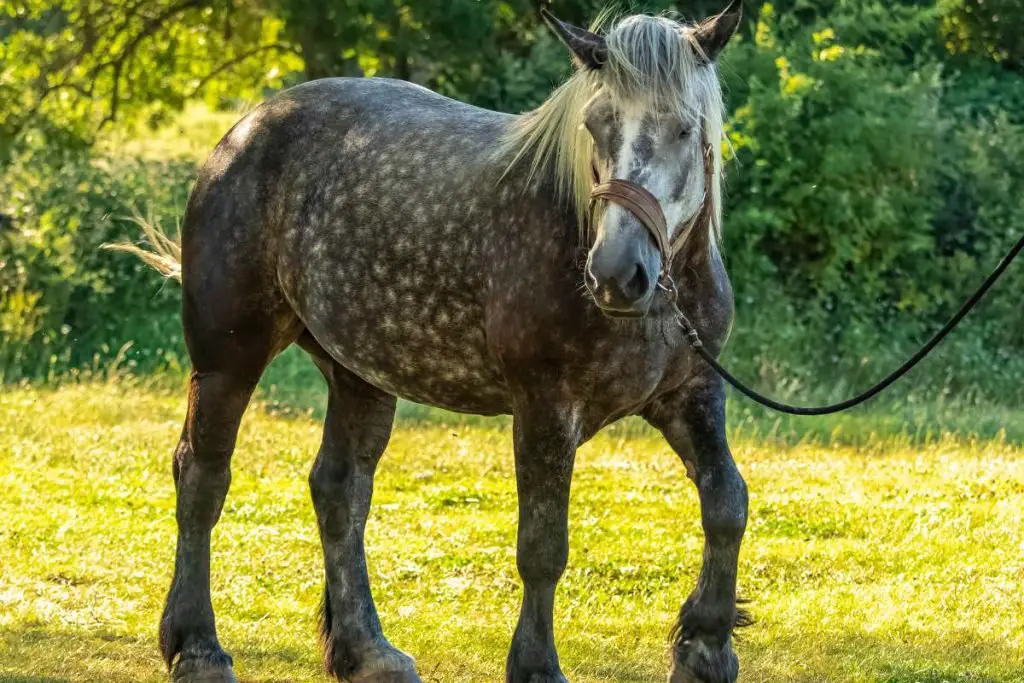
{"points": [[894, 561]]}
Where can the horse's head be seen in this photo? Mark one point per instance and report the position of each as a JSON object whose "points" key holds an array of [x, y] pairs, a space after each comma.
{"points": [[655, 121]]}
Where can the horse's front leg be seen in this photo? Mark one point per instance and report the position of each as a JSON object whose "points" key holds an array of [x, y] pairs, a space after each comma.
{"points": [[693, 422], [545, 447]]}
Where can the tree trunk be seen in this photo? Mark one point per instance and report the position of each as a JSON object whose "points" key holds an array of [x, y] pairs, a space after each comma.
{"points": [[324, 55]]}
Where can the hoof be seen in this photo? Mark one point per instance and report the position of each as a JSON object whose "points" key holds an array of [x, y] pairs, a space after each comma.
{"points": [[388, 677], [557, 677], [695, 662], [204, 670], [385, 664]]}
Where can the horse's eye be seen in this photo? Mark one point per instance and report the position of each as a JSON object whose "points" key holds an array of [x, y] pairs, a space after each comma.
{"points": [[684, 131]]}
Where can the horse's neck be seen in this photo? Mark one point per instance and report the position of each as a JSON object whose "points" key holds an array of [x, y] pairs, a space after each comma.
{"points": [[535, 194], [698, 259]]}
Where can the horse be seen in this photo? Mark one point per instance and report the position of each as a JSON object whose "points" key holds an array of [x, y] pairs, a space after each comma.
{"points": [[419, 247]]}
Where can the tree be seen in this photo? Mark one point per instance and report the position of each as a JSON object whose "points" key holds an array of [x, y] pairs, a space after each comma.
{"points": [[391, 37], [72, 67], [69, 68]]}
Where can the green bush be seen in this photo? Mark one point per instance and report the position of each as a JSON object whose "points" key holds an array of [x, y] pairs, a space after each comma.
{"points": [[65, 302], [865, 201], [873, 181]]}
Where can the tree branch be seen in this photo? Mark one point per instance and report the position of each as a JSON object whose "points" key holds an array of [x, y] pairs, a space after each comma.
{"points": [[22, 121], [238, 59], [117, 63], [149, 28]]}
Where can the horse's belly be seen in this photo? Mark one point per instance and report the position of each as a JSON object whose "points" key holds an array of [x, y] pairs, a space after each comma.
{"points": [[433, 353], [431, 376]]}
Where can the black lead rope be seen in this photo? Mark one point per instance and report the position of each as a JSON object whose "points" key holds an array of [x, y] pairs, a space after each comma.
{"points": [[698, 346]]}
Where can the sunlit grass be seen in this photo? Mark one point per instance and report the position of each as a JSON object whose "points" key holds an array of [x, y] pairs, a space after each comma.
{"points": [[887, 562]]}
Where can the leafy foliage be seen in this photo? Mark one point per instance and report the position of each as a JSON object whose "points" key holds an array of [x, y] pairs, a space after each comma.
{"points": [[69, 68], [63, 298], [871, 199], [987, 27], [873, 178]]}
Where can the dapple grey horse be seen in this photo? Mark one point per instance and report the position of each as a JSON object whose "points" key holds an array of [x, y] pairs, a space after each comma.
{"points": [[422, 248]]}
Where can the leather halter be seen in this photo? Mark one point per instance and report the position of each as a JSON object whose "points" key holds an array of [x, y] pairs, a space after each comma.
{"points": [[646, 208], [638, 202]]}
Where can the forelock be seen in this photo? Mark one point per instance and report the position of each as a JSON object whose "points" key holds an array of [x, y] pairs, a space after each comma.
{"points": [[653, 60]]}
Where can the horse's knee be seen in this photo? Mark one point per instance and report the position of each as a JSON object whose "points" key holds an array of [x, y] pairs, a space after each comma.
{"points": [[723, 496], [196, 454], [201, 475], [541, 557]]}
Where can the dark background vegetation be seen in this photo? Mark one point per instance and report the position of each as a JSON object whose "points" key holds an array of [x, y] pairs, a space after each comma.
{"points": [[875, 167]]}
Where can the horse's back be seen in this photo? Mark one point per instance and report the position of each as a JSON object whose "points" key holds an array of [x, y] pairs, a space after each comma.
{"points": [[323, 135], [370, 210]]}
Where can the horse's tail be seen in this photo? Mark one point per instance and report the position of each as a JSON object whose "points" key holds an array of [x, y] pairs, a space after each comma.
{"points": [[162, 254]]}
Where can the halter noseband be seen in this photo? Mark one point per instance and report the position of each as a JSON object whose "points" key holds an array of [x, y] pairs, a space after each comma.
{"points": [[638, 202], [647, 209]]}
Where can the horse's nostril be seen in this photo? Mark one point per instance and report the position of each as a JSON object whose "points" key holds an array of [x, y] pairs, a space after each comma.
{"points": [[638, 284], [620, 286]]}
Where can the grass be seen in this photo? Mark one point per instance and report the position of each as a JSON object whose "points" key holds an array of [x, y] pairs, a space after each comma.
{"points": [[896, 561]]}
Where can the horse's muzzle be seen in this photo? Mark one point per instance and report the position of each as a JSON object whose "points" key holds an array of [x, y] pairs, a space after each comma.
{"points": [[623, 284], [624, 290]]}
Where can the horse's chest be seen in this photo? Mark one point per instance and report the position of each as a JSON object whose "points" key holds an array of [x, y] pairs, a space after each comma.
{"points": [[607, 368], [619, 383]]}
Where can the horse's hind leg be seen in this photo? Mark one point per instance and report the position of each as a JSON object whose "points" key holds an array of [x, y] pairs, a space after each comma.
{"points": [[356, 432], [201, 477], [229, 353]]}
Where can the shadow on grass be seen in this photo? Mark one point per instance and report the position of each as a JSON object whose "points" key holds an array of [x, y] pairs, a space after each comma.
{"points": [[36, 655], [40, 655]]}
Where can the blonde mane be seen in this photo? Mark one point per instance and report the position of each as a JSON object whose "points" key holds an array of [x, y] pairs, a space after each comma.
{"points": [[653, 60]]}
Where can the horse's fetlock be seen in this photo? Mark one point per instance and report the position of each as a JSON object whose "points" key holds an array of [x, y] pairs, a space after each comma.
{"points": [[711, 622], [378, 661], [213, 666], [699, 661]]}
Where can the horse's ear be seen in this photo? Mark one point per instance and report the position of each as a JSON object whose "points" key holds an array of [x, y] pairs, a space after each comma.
{"points": [[713, 33], [589, 48]]}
